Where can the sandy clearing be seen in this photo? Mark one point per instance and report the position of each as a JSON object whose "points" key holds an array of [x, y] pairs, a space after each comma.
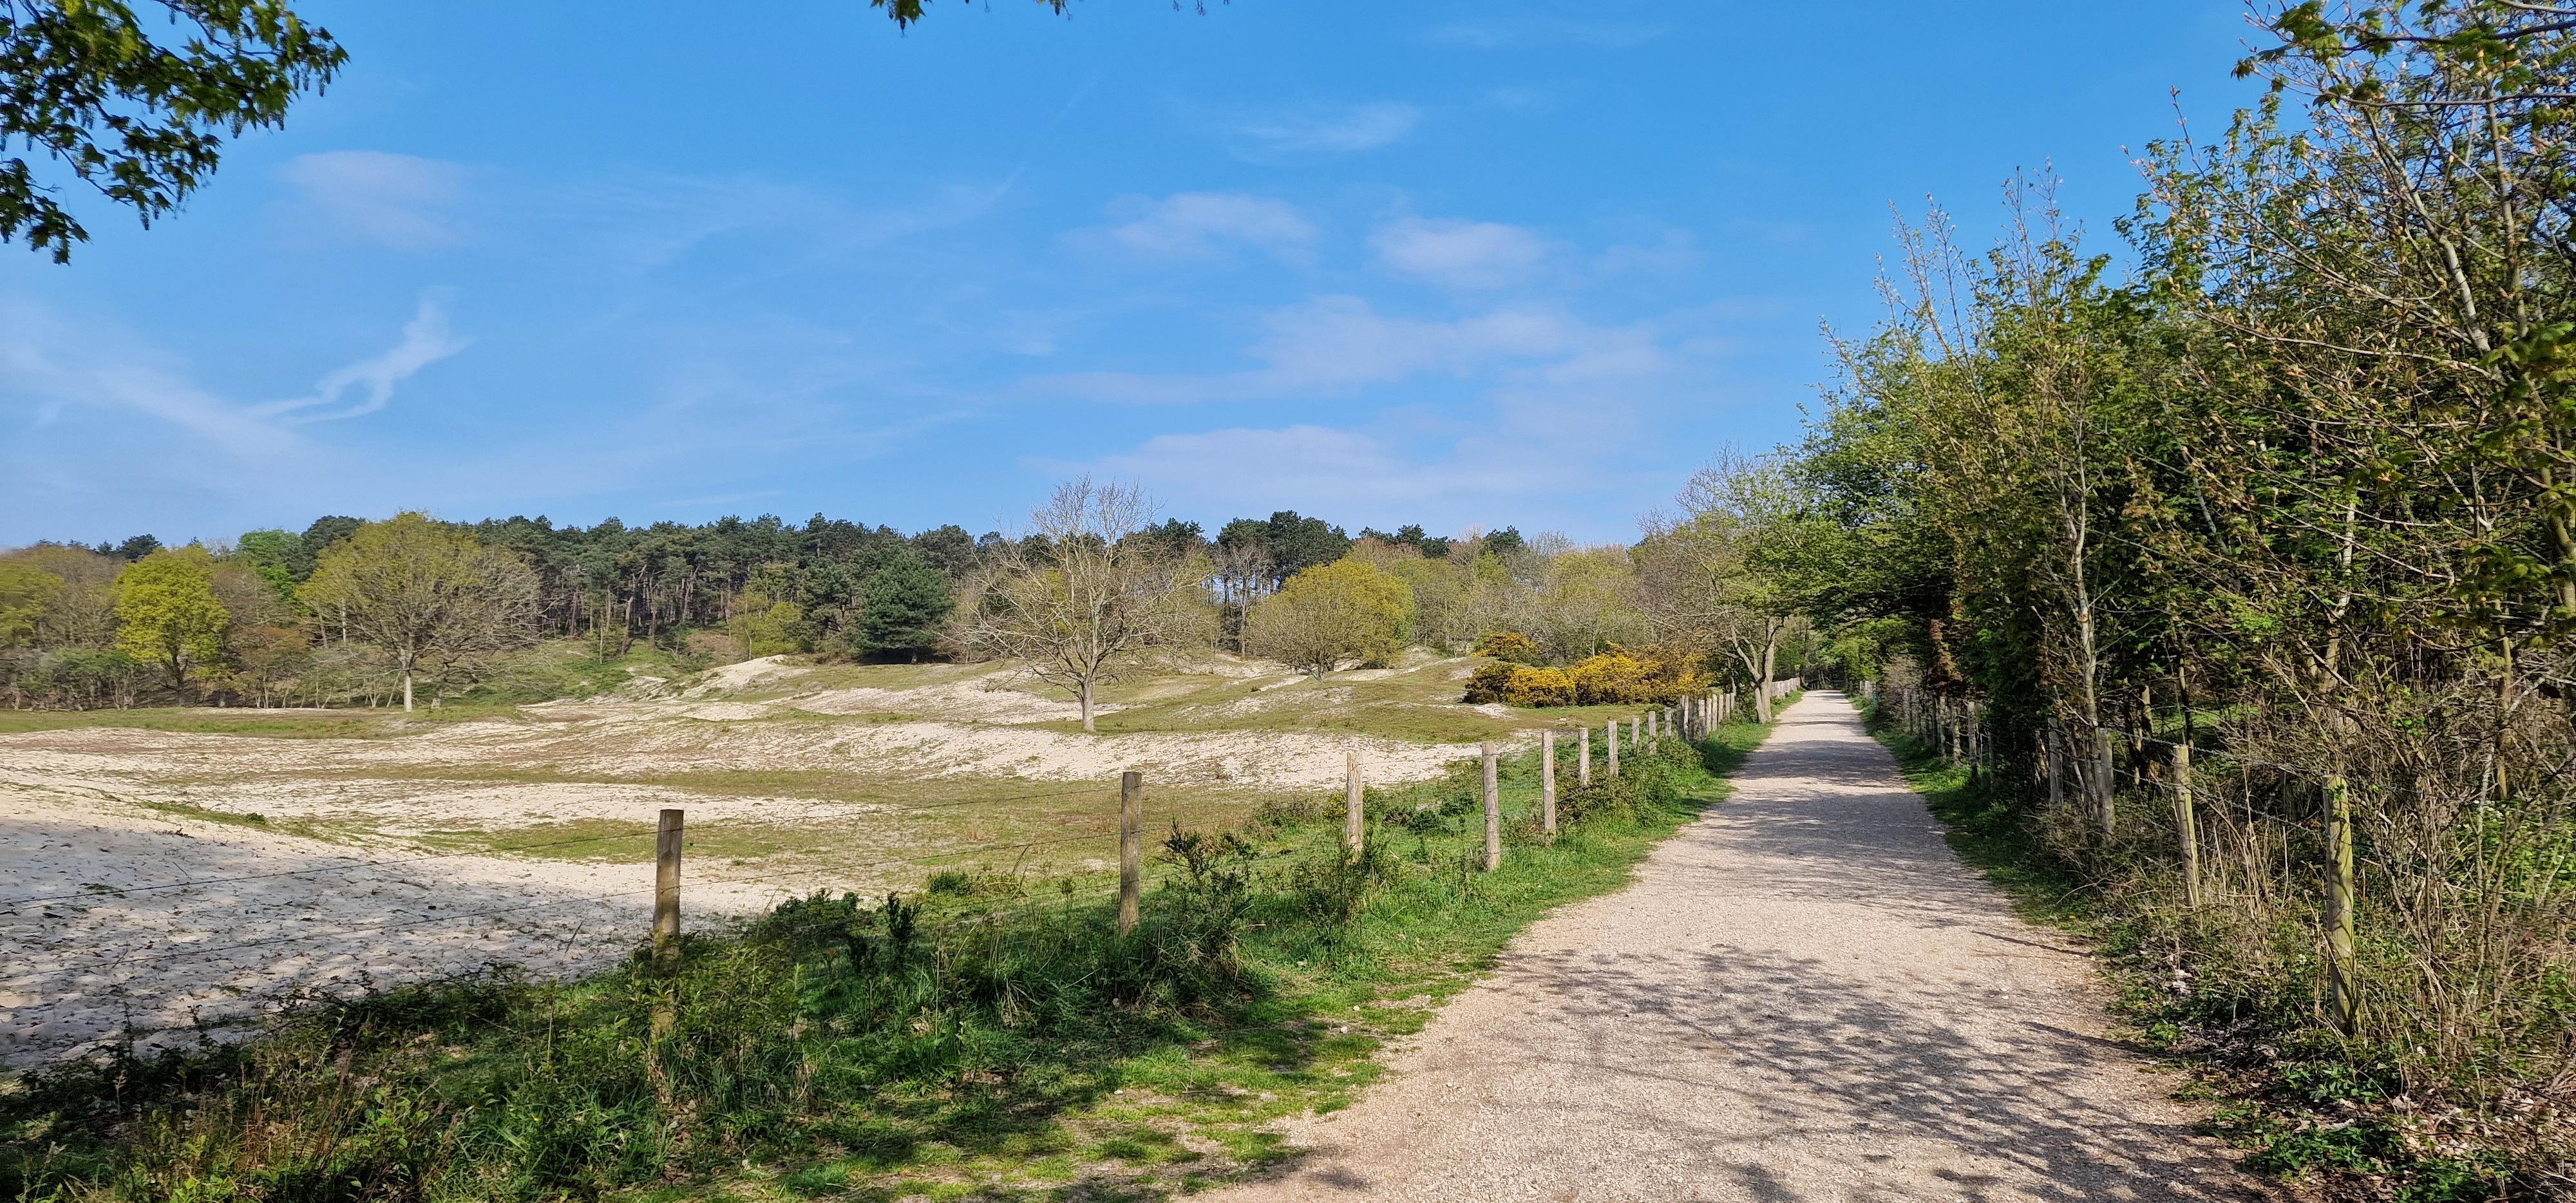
{"points": [[82, 807], [1282, 761], [88, 957], [1804, 996]]}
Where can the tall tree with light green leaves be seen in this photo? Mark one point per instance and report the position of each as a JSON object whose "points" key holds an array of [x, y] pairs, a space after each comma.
{"points": [[167, 614], [26, 593], [425, 593]]}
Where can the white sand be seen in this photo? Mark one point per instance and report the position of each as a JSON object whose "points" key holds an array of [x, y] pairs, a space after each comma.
{"points": [[78, 822]]}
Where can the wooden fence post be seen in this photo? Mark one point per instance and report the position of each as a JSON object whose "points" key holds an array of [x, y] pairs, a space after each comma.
{"points": [[1131, 849], [2343, 990], [1583, 755], [1547, 784], [666, 894], [2186, 824], [1611, 729], [1493, 813], [1353, 829]]}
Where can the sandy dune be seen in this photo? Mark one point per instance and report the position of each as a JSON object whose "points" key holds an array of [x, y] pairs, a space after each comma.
{"points": [[124, 902]]}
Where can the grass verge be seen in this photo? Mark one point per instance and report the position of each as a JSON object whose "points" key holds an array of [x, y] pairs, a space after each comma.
{"points": [[992, 1037], [2303, 1107]]}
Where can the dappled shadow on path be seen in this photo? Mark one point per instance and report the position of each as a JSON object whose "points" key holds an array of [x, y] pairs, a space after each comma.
{"points": [[1806, 997]]}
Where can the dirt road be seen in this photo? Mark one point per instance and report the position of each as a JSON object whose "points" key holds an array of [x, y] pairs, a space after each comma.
{"points": [[1805, 996]]}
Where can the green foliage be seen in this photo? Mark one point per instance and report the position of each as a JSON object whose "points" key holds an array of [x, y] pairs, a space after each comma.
{"points": [[278, 557], [1344, 610], [26, 593], [905, 608], [141, 120], [167, 614], [424, 593]]}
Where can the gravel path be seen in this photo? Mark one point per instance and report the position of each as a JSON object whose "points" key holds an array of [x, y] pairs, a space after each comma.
{"points": [[1805, 996]]}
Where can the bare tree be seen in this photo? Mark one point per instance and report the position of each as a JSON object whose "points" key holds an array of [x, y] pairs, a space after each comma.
{"points": [[1078, 600]]}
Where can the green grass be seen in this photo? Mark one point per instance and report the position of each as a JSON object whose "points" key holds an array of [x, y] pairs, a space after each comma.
{"points": [[275, 724], [1012, 1046]]}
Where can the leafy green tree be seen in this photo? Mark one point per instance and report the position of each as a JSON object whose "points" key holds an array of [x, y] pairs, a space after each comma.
{"points": [[424, 592], [26, 594], [320, 536], [1325, 615], [141, 119], [273, 554], [947, 548], [905, 608], [167, 614]]}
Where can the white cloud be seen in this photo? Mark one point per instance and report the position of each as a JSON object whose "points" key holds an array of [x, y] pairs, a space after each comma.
{"points": [[425, 340], [1200, 225], [1521, 459], [1320, 131], [1465, 255], [395, 200], [1341, 342]]}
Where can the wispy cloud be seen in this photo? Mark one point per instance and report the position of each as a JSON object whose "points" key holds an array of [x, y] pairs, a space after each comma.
{"points": [[1515, 31], [1205, 225], [394, 200], [1337, 343], [646, 223], [1464, 255], [425, 340], [53, 368], [1324, 130]]}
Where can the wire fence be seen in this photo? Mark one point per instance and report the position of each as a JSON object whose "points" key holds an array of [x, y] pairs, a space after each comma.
{"points": [[2432, 875], [200, 938]]}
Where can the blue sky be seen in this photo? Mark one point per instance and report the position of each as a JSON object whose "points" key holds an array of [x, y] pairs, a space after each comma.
{"points": [[1469, 263]]}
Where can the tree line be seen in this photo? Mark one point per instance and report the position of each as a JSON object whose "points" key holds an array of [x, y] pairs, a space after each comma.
{"points": [[285, 617]]}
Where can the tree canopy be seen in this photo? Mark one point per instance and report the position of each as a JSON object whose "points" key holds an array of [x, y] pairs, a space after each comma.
{"points": [[140, 119]]}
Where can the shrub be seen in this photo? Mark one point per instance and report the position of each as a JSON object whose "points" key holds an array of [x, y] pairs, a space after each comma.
{"points": [[1490, 683], [1539, 687], [1622, 676], [1612, 676], [1511, 646]]}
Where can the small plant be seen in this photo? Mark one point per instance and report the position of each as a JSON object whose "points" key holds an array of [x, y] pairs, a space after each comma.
{"points": [[1334, 888]]}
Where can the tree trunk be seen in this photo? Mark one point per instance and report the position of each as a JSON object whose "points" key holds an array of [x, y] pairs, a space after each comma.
{"points": [[1770, 657], [1086, 707]]}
